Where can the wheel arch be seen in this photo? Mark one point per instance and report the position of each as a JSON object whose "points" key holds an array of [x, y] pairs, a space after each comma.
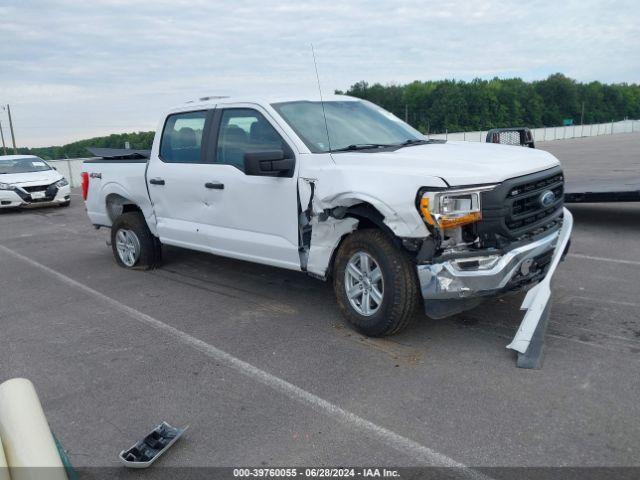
{"points": [[368, 217], [117, 204]]}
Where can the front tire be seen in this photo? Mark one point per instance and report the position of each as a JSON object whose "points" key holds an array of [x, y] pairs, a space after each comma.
{"points": [[133, 244], [375, 284]]}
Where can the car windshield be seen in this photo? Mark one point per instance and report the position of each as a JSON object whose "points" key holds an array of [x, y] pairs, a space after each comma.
{"points": [[352, 125], [23, 165]]}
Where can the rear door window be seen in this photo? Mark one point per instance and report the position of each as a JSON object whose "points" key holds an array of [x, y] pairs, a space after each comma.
{"points": [[182, 137]]}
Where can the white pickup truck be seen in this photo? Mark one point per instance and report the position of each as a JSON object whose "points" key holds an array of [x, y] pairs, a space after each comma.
{"points": [[341, 190]]}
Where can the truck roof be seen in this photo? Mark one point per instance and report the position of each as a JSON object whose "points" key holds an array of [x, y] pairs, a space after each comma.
{"points": [[211, 101]]}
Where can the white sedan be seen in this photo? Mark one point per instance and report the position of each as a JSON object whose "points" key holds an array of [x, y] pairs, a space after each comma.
{"points": [[29, 180]]}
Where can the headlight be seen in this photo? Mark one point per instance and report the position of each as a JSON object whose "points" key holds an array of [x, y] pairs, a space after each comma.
{"points": [[62, 182], [452, 208], [6, 186]]}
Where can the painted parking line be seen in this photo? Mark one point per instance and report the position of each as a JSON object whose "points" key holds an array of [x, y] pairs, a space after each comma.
{"points": [[421, 453], [604, 259]]}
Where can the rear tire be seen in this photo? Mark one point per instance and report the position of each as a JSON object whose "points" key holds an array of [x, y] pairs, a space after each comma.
{"points": [[133, 244], [382, 302]]}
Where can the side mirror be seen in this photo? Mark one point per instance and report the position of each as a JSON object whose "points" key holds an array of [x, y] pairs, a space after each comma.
{"points": [[271, 163]]}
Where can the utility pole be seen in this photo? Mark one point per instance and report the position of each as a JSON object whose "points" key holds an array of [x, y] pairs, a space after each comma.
{"points": [[13, 137], [4, 147], [582, 115]]}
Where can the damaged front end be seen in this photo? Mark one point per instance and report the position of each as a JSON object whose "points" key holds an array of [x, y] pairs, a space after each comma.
{"points": [[475, 242], [326, 217], [494, 240], [320, 229]]}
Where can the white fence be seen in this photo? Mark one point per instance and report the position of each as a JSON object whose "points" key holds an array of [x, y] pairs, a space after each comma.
{"points": [[72, 168], [546, 134]]}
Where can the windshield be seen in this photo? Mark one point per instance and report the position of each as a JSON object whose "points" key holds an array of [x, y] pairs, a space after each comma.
{"points": [[350, 124], [23, 165]]}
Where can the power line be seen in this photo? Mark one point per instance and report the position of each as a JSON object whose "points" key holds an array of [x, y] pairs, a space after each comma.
{"points": [[13, 137], [4, 147]]}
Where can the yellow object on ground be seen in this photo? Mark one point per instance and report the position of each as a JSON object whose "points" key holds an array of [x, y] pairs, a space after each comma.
{"points": [[29, 446]]}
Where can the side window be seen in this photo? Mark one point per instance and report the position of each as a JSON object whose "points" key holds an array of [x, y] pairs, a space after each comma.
{"points": [[245, 130], [182, 137]]}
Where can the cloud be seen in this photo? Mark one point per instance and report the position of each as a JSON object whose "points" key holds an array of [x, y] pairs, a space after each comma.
{"points": [[69, 68]]}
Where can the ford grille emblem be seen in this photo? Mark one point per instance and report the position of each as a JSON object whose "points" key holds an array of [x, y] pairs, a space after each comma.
{"points": [[547, 198]]}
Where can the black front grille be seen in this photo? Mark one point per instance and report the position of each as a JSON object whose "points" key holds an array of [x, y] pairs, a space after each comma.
{"points": [[37, 188], [514, 209], [525, 201], [50, 193]]}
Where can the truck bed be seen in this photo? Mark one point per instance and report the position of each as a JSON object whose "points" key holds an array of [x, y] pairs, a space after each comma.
{"points": [[114, 178]]}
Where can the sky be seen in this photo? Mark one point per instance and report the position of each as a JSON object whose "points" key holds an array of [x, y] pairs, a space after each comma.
{"points": [[78, 69]]}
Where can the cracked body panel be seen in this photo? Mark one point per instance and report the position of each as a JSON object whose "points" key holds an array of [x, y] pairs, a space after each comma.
{"points": [[326, 187]]}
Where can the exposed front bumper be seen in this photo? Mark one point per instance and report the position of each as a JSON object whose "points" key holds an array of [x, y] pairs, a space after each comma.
{"points": [[484, 275]]}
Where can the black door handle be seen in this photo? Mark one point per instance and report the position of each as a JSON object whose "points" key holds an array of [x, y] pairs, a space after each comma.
{"points": [[156, 181], [215, 185]]}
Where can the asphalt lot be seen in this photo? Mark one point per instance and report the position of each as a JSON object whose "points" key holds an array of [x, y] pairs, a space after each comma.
{"points": [[259, 362]]}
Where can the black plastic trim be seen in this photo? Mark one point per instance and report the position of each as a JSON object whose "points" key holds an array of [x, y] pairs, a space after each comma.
{"points": [[117, 160], [497, 207]]}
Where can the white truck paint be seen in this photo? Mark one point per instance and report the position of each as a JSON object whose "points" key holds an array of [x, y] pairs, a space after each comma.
{"points": [[337, 183]]}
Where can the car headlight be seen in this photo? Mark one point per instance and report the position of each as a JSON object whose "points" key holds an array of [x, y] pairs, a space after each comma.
{"points": [[62, 182], [452, 208], [6, 186]]}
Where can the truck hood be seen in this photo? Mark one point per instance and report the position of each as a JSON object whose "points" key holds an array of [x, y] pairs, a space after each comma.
{"points": [[457, 163], [45, 177]]}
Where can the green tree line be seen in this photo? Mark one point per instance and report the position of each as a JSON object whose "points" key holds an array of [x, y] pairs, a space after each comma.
{"points": [[456, 106], [137, 140]]}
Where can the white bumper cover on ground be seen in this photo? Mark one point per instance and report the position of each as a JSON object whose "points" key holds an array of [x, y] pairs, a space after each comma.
{"points": [[537, 298]]}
